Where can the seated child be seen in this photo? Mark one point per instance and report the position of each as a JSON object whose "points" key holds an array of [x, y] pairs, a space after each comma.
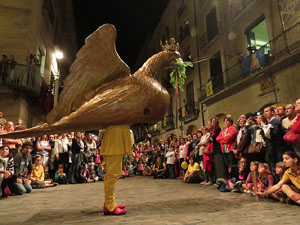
{"points": [[130, 168], [279, 195], [85, 174], [60, 177], [248, 185], [125, 171], [93, 175], [140, 168], [100, 171], [265, 179], [147, 170]]}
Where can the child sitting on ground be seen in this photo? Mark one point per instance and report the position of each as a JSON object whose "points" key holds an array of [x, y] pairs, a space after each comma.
{"points": [[248, 185], [85, 174], [278, 195], [93, 175], [124, 171], [140, 168], [130, 168], [265, 179], [60, 177], [100, 171], [147, 170]]}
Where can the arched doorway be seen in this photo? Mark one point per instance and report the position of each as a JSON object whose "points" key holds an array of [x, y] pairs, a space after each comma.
{"points": [[192, 129]]}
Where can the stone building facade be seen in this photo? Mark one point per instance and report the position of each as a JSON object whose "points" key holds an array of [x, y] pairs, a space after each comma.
{"points": [[31, 31], [245, 53]]}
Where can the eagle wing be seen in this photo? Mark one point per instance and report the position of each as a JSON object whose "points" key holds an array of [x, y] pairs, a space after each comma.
{"points": [[97, 63]]}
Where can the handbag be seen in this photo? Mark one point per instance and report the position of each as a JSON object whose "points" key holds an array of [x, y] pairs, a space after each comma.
{"points": [[292, 138], [255, 147]]}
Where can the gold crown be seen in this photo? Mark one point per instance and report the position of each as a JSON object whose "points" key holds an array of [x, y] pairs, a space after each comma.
{"points": [[172, 46]]}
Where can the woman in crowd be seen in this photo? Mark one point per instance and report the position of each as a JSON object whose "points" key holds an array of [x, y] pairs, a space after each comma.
{"points": [[91, 145], [227, 138], [43, 148], [6, 169], [217, 152], [159, 168], [38, 176], [290, 182], [194, 173], [257, 148]]}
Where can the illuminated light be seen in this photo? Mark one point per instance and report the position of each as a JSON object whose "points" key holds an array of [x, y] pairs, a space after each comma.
{"points": [[59, 54]]}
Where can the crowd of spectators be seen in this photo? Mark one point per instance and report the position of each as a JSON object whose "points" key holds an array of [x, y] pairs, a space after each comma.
{"points": [[257, 154]]}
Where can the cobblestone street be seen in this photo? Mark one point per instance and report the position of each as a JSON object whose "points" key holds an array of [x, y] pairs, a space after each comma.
{"points": [[148, 201]]}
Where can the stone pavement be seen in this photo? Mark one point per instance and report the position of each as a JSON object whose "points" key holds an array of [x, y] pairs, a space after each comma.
{"points": [[148, 201]]}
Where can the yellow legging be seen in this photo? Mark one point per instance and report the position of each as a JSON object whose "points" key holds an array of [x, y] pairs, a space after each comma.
{"points": [[113, 170]]}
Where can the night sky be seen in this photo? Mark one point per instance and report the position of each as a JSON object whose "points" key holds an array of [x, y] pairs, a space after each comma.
{"points": [[133, 19]]}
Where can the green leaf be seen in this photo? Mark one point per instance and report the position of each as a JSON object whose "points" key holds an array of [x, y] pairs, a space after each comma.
{"points": [[180, 73]]}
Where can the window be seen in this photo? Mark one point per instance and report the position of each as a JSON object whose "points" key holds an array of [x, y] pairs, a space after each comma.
{"points": [[42, 59], [216, 73], [257, 34], [211, 24], [190, 98]]}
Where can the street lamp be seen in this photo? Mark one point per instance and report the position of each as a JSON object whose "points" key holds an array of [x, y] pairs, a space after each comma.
{"points": [[56, 56]]}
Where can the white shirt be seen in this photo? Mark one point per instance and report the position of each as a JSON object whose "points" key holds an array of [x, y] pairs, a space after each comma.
{"points": [[181, 151], [170, 157], [61, 146], [287, 123]]}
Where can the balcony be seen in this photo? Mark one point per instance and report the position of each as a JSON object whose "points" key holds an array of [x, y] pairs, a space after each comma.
{"points": [[168, 123], [189, 112], [25, 78], [271, 57], [208, 38]]}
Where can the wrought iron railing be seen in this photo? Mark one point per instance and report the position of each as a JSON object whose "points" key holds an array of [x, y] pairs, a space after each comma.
{"points": [[25, 77], [281, 46]]}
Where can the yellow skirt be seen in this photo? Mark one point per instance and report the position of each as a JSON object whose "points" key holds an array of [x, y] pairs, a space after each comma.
{"points": [[117, 140]]}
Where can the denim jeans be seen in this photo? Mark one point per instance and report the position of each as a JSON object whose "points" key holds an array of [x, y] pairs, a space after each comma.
{"points": [[20, 188], [72, 170]]}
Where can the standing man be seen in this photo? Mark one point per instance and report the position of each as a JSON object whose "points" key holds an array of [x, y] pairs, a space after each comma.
{"points": [[291, 117], [117, 141], [77, 147], [278, 146]]}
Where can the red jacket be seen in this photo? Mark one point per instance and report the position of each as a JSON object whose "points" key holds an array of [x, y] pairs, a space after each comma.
{"points": [[229, 139], [296, 127]]}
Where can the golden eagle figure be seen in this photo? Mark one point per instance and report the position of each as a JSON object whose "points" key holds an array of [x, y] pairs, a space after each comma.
{"points": [[100, 91]]}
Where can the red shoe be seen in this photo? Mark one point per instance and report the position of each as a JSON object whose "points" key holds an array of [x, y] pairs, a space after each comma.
{"points": [[121, 206], [116, 212]]}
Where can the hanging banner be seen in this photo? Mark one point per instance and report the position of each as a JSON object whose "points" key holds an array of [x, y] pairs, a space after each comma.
{"points": [[209, 89], [255, 61]]}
